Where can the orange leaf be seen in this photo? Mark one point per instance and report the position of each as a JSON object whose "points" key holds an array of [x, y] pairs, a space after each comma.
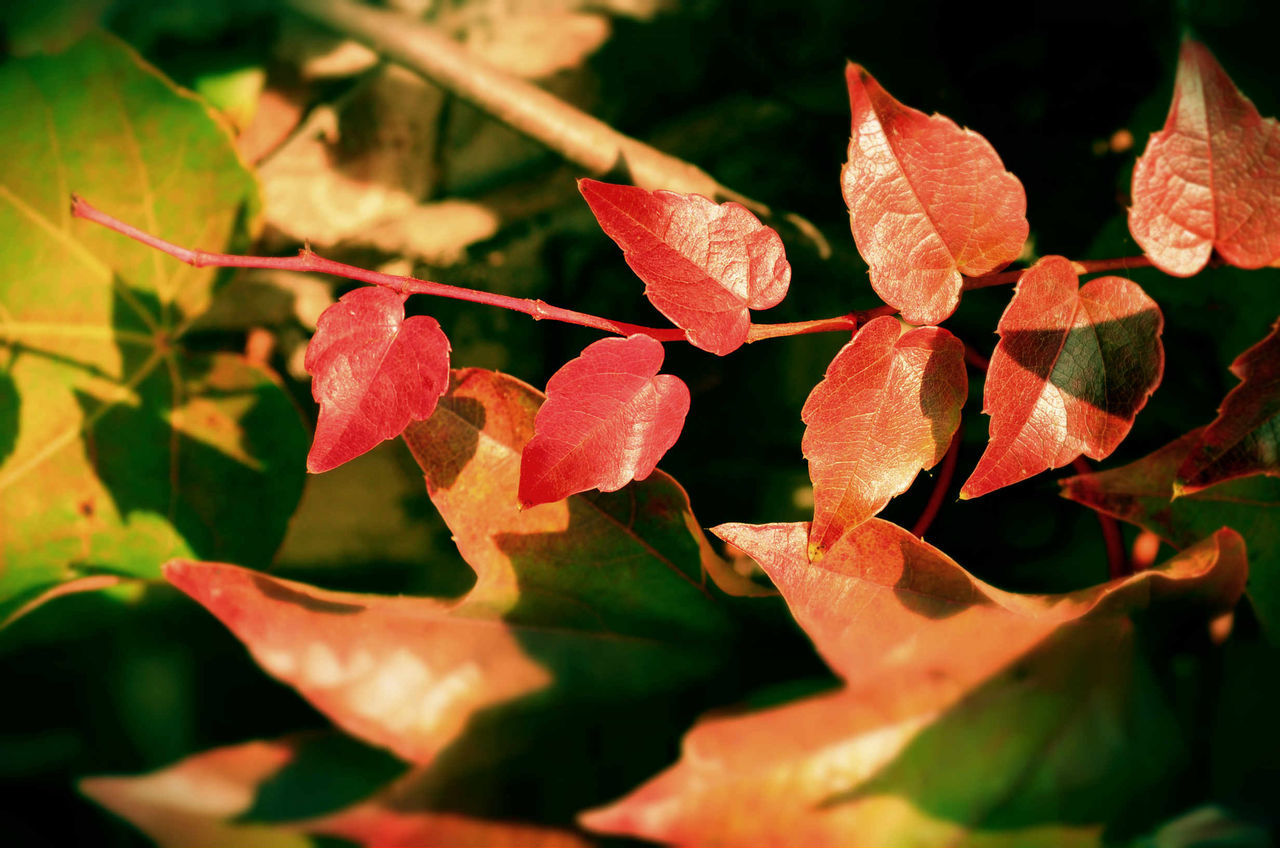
{"points": [[1211, 178], [886, 408], [1073, 367], [935, 663], [928, 202]]}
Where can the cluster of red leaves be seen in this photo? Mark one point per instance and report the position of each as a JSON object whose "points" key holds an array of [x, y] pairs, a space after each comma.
{"points": [[930, 203]]}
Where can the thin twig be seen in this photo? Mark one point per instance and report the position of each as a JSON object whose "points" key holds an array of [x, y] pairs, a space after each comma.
{"points": [[1086, 266], [307, 261], [575, 135], [940, 485]]}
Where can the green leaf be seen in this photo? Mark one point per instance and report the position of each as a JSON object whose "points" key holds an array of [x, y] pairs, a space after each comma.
{"points": [[1142, 494], [127, 448]]}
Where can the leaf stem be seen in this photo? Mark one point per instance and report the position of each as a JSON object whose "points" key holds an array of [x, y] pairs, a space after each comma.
{"points": [[307, 261], [940, 485], [1118, 564], [1086, 266]]}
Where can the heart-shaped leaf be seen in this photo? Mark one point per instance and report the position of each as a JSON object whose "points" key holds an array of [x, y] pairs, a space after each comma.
{"points": [[928, 202], [1211, 178], [609, 417], [704, 265], [1073, 367], [1048, 707], [375, 371], [121, 445], [1245, 437], [887, 407]]}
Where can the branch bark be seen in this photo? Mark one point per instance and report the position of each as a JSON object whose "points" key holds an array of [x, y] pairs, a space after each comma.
{"points": [[580, 138]]}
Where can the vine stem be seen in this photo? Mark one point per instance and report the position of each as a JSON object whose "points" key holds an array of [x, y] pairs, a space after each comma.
{"points": [[940, 484], [1118, 564], [1085, 266], [307, 261]]}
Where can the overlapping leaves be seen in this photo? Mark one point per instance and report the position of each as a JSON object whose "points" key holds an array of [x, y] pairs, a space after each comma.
{"points": [[865, 765]]}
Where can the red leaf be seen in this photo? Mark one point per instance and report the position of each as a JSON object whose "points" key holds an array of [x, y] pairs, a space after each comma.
{"points": [[609, 417], [1211, 178], [928, 202], [887, 407], [393, 671], [1245, 437], [375, 371], [1073, 367], [887, 612], [704, 265]]}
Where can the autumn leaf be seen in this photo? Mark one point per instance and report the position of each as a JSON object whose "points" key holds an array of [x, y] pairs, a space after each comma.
{"points": [[402, 673], [119, 439], [704, 265], [1245, 437], [867, 765], [887, 408], [928, 202], [1142, 494], [1073, 367], [216, 798], [1211, 178], [591, 597], [609, 417], [629, 561], [375, 371]]}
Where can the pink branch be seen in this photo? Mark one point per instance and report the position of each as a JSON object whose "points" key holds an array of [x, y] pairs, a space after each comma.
{"points": [[1087, 266], [307, 261]]}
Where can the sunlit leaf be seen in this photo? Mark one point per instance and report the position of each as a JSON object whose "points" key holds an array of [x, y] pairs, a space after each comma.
{"points": [[928, 202], [375, 371], [126, 447], [1073, 367], [969, 715], [1210, 180], [704, 265], [887, 407], [609, 417]]}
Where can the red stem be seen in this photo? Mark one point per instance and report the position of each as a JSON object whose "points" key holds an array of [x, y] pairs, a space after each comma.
{"points": [[1118, 564], [1087, 266], [945, 473], [307, 261]]}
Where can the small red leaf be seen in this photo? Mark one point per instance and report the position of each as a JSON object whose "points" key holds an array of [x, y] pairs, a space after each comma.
{"points": [[609, 417], [375, 371], [928, 202], [1245, 437], [1073, 367], [887, 407], [1211, 178], [704, 265]]}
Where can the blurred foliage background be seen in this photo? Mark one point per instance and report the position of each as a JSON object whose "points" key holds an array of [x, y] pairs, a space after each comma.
{"points": [[373, 166]]}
